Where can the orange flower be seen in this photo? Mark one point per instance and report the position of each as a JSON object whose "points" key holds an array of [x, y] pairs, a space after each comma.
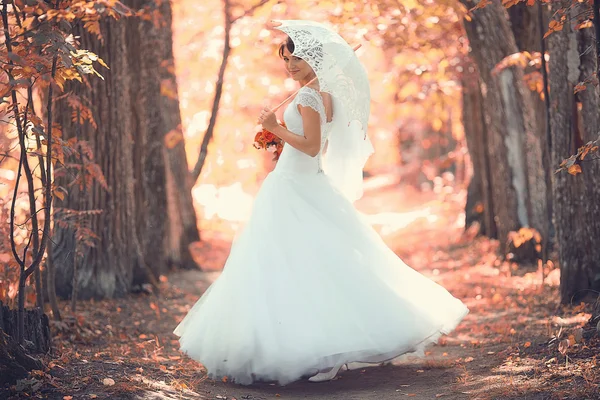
{"points": [[265, 139], [269, 137]]}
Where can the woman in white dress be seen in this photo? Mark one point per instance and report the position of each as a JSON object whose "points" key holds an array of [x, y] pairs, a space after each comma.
{"points": [[309, 286]]}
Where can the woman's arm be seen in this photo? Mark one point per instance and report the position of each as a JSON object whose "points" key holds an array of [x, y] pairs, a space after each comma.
{"points": [[310, 143]]}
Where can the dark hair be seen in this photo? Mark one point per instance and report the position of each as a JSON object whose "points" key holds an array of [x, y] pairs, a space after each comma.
{"points": [[289, 44]]}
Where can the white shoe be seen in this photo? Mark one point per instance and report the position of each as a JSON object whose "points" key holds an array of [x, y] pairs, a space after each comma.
{"points": [[359, 365], [325, 376]]}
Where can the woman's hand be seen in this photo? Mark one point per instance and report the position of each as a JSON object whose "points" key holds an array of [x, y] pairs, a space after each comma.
{"points": [[267, 119]]}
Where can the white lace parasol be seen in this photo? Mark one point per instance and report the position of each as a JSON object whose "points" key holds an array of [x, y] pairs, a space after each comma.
{"points": [[341, 74], [335, 63]]}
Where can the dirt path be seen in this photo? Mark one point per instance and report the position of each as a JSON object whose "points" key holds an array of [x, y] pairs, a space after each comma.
{"points": [[504, 349]]}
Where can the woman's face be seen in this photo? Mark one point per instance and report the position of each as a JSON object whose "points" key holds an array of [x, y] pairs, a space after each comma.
{"points": [[298, 69]]}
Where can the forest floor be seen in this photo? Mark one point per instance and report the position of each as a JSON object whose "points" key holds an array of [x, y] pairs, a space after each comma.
{"points": [[516, 343]]}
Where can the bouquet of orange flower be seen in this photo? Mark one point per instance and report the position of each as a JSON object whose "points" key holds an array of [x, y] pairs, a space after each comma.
{"points": [[270, 142]]}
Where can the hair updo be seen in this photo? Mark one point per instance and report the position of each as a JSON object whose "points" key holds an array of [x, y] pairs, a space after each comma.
{"points": [[289, 44]]}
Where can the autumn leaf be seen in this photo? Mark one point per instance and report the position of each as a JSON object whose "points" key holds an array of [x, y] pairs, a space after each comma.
{"points": [[554, 26], [108, 381], [585, 24], [589, 147], [173, 138], [574, 169], [479, 5], [510, 3], [101, 62], [563, 346], [581, 86], [520, 59]]}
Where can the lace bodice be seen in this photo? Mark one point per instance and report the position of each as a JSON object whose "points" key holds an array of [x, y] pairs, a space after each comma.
{"points": [[291, 159]]}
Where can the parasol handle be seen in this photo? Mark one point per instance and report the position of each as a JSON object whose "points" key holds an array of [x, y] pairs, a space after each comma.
{"points": [[311, 81]]}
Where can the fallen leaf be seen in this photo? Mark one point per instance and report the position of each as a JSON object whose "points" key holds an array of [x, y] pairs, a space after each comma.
{"points": [[527, 344], [108, 381], [469, 359], [67, 397], [93, 396], [563, 346]]}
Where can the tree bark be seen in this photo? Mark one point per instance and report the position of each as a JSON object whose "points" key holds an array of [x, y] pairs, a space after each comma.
{"points": [[527, 25], [37, 328], [15, 363], [105, 269], [480, 203], [149, 166], [574, 121], [183, 228], [508, 117]]}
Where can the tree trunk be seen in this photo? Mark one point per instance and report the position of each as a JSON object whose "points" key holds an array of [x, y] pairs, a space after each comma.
{"points": [[37, 328], [574, 121], [480, 203], [183, 228], [528, 24], [106, 269], [144, 52], [15, 363], [508, 117]]}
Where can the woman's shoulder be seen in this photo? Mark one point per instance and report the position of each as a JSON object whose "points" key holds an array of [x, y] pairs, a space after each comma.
{"points": [[310, 92]]}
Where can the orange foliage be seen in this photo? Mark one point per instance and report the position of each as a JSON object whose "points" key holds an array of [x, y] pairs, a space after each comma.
{"points": [[34, 71]]}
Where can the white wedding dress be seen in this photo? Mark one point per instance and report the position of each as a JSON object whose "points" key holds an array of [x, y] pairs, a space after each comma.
{"points": [[309, 285]]}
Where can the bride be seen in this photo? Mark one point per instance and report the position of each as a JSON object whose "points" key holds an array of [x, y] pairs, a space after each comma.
{"points": [[309, 286]]}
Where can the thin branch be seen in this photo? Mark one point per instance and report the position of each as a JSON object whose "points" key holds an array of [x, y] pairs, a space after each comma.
{"points": [[48, 194], [16, 14], [21, 225], [38, 143], [30, 179], [218, 91], [5, 156], [208, 135], [7, 40], [250, 10]]}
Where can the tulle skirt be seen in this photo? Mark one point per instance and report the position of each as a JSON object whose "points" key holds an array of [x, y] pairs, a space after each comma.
{"points": [[310, 285]]}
